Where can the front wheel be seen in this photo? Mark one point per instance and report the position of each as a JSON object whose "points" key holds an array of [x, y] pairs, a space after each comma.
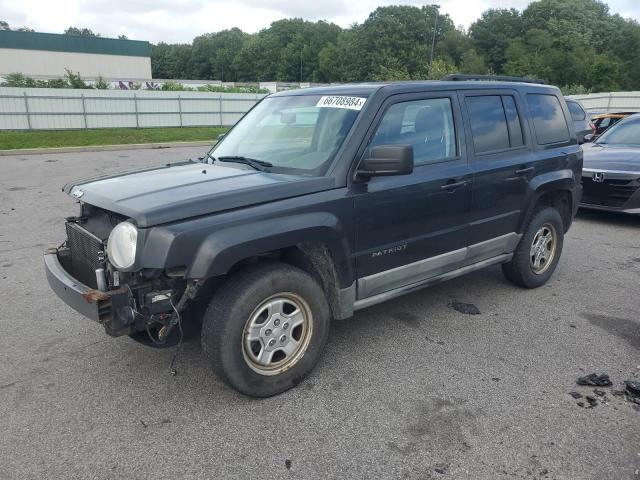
{"points": [[265, 329], [538, 252]]}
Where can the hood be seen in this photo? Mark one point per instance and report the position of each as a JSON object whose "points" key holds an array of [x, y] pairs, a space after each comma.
{"points": [[180, 191], [608, 157]]}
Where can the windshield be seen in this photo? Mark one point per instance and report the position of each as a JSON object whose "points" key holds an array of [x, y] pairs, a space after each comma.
{"points": [[295, 134], [626, 132]]}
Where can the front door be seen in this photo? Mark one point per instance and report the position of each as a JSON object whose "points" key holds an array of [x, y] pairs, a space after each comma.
{"points": [[413, 227]]}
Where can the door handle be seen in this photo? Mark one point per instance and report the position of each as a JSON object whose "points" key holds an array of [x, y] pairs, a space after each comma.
{"points": [[451, 187], [525, 171]]}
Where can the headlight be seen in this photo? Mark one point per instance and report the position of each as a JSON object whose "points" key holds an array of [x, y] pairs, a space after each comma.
{"points": [[121, 246]]}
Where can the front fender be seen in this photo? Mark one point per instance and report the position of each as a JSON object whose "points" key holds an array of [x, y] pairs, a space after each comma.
{"points": [[224, 248]]}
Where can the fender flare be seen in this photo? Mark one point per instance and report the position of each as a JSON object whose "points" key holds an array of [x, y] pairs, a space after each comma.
{"points": [[555, 181], [224, 248]]}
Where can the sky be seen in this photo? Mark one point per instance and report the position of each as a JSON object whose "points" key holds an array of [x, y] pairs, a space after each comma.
{"points": [[175, 21]]}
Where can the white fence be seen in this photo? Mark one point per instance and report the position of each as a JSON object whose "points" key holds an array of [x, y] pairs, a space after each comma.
{"points": [[56, 109], [610, 101]]}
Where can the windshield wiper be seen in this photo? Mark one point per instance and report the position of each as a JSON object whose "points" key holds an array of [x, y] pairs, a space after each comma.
{"points": [[252, 162]]}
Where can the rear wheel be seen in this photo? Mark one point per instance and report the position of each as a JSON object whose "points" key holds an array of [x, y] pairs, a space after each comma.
{"points": [[265, 329], [538, 252]]}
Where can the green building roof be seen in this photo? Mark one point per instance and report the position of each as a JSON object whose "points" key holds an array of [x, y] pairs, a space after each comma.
{"points": [[54, 42]]}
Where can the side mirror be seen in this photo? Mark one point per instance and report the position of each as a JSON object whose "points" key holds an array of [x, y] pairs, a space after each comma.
{"points": [[387, 160], [589, 137], [221, 136]]}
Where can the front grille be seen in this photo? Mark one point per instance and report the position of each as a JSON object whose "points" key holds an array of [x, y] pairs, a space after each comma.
{"points": [[610, 193], [87, 252]]}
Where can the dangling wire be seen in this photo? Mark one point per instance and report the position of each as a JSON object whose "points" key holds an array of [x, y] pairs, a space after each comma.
{"points": [[172, 370]]}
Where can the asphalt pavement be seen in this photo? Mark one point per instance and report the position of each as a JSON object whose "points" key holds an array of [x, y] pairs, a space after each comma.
{"points": [[407, 389]]}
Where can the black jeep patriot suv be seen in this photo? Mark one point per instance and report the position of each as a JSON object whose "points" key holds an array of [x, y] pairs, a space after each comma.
{"points": [[318, 203]]}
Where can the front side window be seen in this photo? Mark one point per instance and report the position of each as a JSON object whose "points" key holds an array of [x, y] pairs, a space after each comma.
{"points": [[548, 118], [295, 134], [427, 125]]}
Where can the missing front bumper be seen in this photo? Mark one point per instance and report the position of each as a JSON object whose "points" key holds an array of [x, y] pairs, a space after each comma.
{"points": [[111, 309]]}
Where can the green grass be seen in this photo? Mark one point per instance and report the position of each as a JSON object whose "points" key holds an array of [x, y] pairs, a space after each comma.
{"points": [[14, 139]]}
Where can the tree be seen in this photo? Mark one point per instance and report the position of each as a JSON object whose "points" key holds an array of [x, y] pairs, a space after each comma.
{"points": [[5, 26], [81, 32], [577, 44], [279, 52], [492, 34], [101, 83], [343, 61], [400, 35], [472, 63], [75, 80], [171, 61], [213, 54]]}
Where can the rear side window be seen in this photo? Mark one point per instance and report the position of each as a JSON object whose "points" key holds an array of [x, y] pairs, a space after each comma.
{"points": [[548, 118], [577, 113], [495, 123]]}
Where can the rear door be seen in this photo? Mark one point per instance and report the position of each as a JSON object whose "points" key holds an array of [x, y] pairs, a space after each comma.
{"points": [[501, 159], [413, 227]]}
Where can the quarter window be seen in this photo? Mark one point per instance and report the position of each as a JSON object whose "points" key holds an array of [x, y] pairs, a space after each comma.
{"points": [[495, 123], [427, 125], [513, 121], [548, 118]]}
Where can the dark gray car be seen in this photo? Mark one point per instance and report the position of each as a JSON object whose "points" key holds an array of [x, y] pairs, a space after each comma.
{"points": [[318, 203], [581, 120], [611, 173]]}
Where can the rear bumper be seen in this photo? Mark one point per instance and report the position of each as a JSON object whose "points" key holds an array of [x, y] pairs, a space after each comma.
{"points": [[81, 298]]}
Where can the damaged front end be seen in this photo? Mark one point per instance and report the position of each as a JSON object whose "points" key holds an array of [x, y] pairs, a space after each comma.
{"points": [[123, 302]]}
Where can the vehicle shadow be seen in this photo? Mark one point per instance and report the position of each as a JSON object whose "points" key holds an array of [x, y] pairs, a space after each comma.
{"points": [[612, 218]]}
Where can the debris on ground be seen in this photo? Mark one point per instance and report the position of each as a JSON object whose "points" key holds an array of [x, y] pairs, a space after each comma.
{"points": [[633, 387], [441, 468], [631, 393], [592, 401], [466, 308], [595, 380], [287, 464]]}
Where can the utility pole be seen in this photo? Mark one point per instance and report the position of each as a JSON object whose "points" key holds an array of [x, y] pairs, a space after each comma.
{"points": [[301, 65], [433, 39]]}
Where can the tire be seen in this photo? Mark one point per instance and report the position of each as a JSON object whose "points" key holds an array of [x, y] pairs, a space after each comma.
{"points": [[522, 270], [261, 304]]}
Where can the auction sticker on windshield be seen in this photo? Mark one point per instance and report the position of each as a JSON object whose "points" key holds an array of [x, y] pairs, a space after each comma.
{"points": [[352, 103]]}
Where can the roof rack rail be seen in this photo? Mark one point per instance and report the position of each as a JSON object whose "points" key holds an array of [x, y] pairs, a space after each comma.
{"points": [[458, 77]]}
